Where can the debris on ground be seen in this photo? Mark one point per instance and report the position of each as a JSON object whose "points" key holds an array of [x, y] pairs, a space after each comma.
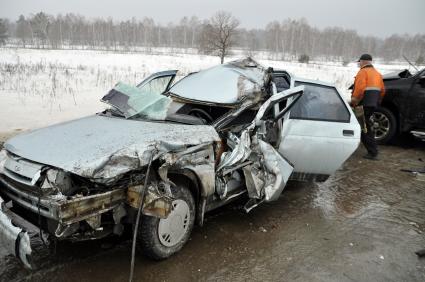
{"points": [[262, 229], [420, 253], [414, 170], [414, 224]]}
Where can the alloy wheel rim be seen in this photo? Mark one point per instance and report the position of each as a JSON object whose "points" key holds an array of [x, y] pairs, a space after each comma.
{"points": [[172, 229], [380, 125]]}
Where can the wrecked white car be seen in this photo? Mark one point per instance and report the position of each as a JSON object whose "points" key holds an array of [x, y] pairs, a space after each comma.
{"points": [[173, 152]]}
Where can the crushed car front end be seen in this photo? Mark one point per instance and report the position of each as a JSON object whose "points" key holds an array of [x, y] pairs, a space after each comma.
{"points": [[84, 187], [40, 203]]}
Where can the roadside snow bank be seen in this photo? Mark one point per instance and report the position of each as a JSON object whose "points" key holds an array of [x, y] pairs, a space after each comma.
{"points": [[43, 87]]}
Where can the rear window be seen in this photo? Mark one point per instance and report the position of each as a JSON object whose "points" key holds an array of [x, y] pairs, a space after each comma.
{"points": [[320, 102]]}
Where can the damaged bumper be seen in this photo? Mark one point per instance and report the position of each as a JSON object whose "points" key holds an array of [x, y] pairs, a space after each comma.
{"points": [[63, 210], [16, 234]]}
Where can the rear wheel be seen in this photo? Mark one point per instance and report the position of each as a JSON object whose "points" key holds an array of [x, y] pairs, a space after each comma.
{"points": [[161, 238], [384, 125]]}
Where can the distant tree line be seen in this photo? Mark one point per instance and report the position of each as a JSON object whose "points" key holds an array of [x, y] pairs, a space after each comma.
{"points": [[288, 39]]}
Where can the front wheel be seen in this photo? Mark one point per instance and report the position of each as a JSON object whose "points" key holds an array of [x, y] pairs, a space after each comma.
{"points": [[384, 125], [161, 238]]}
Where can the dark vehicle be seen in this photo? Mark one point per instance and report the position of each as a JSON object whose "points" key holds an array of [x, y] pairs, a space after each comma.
{"points": [[403, 107]]}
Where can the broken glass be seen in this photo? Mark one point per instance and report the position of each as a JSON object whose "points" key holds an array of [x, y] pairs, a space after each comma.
{"points": [[145, 101]]}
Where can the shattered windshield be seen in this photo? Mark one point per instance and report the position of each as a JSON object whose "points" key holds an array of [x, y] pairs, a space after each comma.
{"points": [[146, 102]]}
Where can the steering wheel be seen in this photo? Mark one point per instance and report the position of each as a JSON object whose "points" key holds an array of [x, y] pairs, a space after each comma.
{"points": [[200, 113]]}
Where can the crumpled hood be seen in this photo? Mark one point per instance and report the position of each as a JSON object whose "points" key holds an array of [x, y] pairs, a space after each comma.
{"points": [[103, 148]]}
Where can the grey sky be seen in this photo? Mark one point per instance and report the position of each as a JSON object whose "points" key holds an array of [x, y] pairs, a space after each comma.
{"points": [[369, 17]]}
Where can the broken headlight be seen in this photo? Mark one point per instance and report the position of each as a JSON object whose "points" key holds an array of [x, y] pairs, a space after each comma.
{"points": [[56, 181], [3, 156]]}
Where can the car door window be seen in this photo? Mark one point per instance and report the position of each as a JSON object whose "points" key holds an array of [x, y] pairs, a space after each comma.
{"points": [[320, 102], [157, 85]]}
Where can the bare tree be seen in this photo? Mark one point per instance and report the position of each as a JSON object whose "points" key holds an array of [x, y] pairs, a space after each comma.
{"points": [[283, 40], [194, 25], [221, 33], [3, 32], [40, 24], [23, 30]]}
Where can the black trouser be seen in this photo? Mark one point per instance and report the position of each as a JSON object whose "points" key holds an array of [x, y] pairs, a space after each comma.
{"points": [[368, 139]]}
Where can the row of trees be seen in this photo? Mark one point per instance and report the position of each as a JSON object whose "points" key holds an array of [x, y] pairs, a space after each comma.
{"points": [[287, 39]]}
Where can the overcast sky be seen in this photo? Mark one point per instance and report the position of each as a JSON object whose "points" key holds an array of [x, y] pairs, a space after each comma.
{"points": [[369, 17]]}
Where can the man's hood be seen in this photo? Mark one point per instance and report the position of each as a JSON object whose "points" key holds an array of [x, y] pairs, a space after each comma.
{"points": [[102, 148]]}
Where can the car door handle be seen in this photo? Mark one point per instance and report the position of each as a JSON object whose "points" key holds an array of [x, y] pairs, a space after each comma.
{"points": [[347, 132]]}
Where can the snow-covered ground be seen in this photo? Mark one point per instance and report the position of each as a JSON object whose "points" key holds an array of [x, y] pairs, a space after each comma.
{"points": [[42, 87]]}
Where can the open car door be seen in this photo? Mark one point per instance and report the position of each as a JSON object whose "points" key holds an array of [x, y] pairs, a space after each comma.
{"points": [[265, 170], [319, 133]]}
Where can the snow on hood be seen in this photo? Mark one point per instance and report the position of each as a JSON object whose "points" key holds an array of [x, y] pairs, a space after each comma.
{"points": [[102, 148]]}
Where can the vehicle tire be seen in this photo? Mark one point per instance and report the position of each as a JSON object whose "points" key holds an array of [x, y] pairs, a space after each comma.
{"points": [[384, 125], [160, 238]]}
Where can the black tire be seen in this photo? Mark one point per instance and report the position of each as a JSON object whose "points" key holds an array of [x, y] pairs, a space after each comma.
{"points": [[384, 118], [148, 241]]}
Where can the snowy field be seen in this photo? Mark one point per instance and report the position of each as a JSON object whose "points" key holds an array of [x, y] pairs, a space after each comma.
{"points": [[43, 87]]}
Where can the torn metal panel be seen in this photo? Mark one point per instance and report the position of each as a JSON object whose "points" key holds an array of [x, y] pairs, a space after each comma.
{"points": [[199, 159], [278, 167], [266, 171], [206, 179], [3, 157], [155, 203], [56, 182], [265, 176], [103, 148], [59, 208], [240, 152], [94, 221], [254, 181], [77, 209], [227, 184], [221, 122], [14, 239]]}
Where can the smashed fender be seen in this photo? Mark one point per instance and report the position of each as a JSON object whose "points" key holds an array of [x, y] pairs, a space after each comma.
{"points": [[276, 166], [198, 159], [14, 239]]}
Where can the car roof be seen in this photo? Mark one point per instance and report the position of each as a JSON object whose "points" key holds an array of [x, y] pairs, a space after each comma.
{"points": [[319, 82], [302, 79], [222, 84]]}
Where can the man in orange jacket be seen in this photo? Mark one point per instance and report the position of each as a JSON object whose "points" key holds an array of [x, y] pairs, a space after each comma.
{"points": [[368, 91]]}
